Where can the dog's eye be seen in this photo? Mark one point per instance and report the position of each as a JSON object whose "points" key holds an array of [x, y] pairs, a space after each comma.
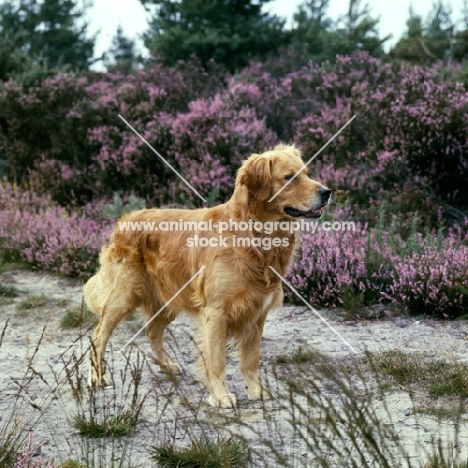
{"points": [[289, 177]]}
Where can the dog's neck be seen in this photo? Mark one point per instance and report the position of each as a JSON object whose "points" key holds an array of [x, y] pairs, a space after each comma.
{"points": [[262, 211], [279, 257], [236, 208]]}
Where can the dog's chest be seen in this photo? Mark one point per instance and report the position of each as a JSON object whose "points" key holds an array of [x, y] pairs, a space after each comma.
{"points": [[267, 301]]}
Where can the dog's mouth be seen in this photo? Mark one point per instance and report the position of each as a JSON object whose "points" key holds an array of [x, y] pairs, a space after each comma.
{"points": [[310, 214]]}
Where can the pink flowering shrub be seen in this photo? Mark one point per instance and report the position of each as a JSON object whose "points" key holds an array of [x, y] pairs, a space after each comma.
{"points": [[27, 459], [64, 140], [421, 275], [47, 236], [432, 281], [214, 137], [410, 134], [407, 144], [69, 126], [40, 124], [327, 263]]}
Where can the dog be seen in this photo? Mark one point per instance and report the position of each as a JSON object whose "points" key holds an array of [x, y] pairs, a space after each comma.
{"points": [[228, 284]]}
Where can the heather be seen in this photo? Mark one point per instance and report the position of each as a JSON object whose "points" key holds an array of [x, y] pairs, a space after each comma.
{"points": [[398, 170], [419, 274], [407, 144], [423, 274], [47, 236]]}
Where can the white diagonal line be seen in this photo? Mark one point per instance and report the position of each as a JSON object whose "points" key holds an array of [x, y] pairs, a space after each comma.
{"points": [[163, 307], [313, 310], [167, 162], [313, 157]]}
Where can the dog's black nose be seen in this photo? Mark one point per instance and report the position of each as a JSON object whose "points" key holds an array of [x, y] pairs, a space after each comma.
{"points": [[325, 193]]}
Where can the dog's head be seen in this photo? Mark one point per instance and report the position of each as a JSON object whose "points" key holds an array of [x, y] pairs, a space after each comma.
{"points": [[281, 174]]}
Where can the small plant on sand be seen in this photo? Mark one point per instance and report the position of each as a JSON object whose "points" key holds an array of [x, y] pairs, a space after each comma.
{"points": [[76, 316], [27, 458], [439, 376], [299, 356], [106, 419], [121, 424], [8, 291], [32, 302], [203, 452]]}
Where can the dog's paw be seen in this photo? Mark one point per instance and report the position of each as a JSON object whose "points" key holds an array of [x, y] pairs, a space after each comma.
{"points": [[95, 381], [170, 368], [227, 400], [256, 391]]}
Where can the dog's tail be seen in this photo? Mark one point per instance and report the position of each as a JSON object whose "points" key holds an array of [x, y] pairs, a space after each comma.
{"points": [[113, 277], [92, 293]]}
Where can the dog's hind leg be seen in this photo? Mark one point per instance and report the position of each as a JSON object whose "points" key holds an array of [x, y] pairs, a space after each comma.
{"points": [[113, 302], [97, 371], [155, 332], [111, 315]]}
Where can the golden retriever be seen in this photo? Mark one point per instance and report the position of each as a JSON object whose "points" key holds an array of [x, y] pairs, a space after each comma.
{"points": [[235, 290]]}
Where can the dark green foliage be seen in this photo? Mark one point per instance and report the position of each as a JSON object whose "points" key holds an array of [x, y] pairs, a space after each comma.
{"points": [[311, 30], [229, 31], [45, 36], [436, 38], [15, 61], [122, 56], [8, 291], [122, 424], [9, 447], [320, 38], [357, 30]]}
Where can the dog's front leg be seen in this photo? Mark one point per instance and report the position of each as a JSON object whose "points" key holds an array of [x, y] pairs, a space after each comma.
{"points": [[214, 358]]}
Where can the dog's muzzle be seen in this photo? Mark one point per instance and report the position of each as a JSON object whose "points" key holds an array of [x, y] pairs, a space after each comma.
{"points": [[325, 194]]}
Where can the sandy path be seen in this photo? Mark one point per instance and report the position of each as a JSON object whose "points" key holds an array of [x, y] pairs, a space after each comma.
{"points": [[286, 330]]}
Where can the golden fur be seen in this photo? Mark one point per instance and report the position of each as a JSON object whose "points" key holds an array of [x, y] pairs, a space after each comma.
{"points": [[233, 294]]}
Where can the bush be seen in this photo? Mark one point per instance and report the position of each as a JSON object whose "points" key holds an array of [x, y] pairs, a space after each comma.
{"points": [[47, 236], [213, 138], [205, 123], [432, 282], [28, 459], [65, 143], [420, 275], [327, 262]]}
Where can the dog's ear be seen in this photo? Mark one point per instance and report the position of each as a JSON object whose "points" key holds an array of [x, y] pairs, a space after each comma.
{"points": [[255, 175]]}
